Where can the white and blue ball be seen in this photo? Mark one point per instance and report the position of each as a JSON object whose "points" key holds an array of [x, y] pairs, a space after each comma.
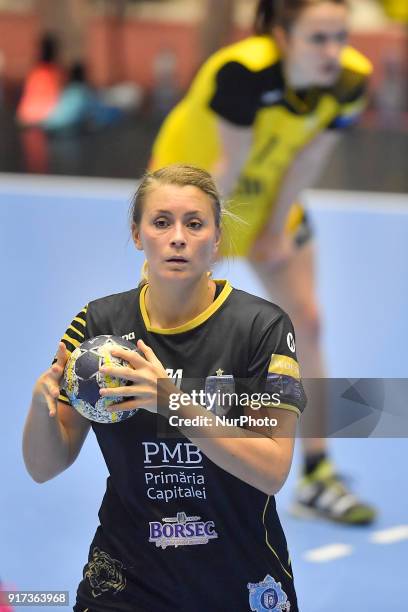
{"points": [[82, 379]]}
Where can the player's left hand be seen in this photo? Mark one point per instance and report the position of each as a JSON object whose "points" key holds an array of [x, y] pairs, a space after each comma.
{"points": [[144, 374]]}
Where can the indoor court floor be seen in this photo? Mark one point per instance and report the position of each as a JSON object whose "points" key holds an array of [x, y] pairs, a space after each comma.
{"points": [[65, 241]]}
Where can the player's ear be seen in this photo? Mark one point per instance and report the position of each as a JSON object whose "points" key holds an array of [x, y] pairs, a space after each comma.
{"points": [[281, 37], [136, 237]]}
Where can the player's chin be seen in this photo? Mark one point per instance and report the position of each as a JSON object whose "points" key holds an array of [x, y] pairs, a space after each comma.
{"points": [[181, 272], [328, 77]]}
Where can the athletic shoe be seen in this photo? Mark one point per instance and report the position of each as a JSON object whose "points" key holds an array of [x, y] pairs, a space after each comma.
{"points": [[323, 494]]}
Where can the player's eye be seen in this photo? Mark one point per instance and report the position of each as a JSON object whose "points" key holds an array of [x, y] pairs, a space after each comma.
{"points": [[161, 223], [194, 224], [319, 39], [342, 37]]}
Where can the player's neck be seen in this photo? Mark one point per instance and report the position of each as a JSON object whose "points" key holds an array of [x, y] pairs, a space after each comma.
{"points": [[167, 308], [294, 78]]}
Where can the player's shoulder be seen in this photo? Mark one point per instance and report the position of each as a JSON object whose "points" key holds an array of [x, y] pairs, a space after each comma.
{"points": [[254, 53], [355, 72], [111, 305], [355, 62], [253, 309]]}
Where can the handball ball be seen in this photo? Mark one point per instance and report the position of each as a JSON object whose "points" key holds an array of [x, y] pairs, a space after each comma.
{"points": [[82, 379]]}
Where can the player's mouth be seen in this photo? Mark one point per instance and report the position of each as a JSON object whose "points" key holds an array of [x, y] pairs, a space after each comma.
{"points": [[177, 259], [330, 69]]}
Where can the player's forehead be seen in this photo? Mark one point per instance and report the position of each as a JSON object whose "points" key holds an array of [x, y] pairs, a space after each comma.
{"points": [[177, 200], [324, 16]]}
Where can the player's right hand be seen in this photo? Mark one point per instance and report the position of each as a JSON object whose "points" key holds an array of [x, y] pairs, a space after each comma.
{"points": [[48, 386]]}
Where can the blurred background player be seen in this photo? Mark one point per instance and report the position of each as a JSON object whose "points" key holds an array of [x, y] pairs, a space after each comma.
{"points": [[264, 114]]}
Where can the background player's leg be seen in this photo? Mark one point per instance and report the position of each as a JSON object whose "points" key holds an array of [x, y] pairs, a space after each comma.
{"points": [[320, 491], [292, 287]]}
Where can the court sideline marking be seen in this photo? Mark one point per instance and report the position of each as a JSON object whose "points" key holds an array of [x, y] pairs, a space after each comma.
{"points": [[330, 552]]}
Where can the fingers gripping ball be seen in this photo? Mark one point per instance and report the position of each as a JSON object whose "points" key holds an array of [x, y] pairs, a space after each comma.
{"points": [[82, 379]]}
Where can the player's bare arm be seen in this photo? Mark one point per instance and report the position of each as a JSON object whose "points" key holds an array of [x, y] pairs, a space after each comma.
{"points": [[54, 433]]}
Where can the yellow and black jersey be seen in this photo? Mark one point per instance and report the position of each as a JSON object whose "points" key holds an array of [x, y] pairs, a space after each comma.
{"points": [[244, 84], [176, 531]]}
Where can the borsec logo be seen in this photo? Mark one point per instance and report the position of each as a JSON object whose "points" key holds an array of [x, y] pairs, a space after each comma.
{"points": [[181, 530], [291, 342]]}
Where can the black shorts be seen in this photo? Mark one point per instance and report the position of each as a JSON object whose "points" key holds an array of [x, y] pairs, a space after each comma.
{"points": [[304, 232]]}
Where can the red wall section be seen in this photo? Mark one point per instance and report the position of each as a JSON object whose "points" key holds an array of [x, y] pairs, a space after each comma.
{"points": [[126, 51], [18, 40]]}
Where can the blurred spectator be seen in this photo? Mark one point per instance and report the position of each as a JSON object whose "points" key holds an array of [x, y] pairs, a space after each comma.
{"points": [[79, 105], [67, 20], [75, 105], [42, 87]]}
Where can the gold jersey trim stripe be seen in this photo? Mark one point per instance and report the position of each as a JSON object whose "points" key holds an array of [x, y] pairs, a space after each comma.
{"points": [[282, 407], [287, 366], [79, 333], [198, 320], [267, 540], [290, 408], [64, 399], [82, 322], [72, 341]]}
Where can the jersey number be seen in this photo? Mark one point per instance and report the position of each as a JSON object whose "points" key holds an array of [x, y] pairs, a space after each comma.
{"points": [[175, 375]]}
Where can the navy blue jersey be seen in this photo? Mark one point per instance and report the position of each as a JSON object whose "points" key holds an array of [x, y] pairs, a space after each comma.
{"points": [[176, 531]]}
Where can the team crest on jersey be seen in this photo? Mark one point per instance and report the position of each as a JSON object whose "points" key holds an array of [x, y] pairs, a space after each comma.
{"points": [[181, 530], [218, 388], [268, 595]]}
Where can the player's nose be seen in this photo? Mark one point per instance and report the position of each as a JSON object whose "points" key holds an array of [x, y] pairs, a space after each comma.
{"points": [[333, 50], [178, 237]]}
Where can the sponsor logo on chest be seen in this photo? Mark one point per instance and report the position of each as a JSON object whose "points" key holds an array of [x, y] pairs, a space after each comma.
{"points": [[181, 530]]}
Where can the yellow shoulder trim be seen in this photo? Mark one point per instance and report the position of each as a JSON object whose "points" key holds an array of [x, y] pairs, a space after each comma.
{"points": [[255, 53], [352, 59], [198, 320]]}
